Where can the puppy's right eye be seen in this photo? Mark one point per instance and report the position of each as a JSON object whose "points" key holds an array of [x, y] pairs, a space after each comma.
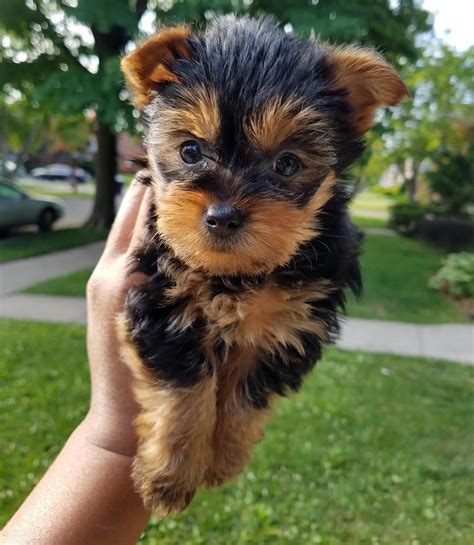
{"points": [[191, 152]]}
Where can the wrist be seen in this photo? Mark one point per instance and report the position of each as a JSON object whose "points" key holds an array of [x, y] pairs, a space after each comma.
{"points": [[112, 433]]}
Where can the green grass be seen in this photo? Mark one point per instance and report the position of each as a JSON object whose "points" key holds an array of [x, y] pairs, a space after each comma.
{"points": [[21, 245], [396, 272], [365, 221], [369, 200], [37, 189], [71, 285], [376, 449]]}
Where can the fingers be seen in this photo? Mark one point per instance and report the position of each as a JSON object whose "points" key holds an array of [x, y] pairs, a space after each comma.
{"points": [[122, 229], [140, 228]]}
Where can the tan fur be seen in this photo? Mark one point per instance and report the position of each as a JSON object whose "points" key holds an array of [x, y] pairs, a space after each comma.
{"points": [[238, 425], [149, 64], [266, 241], [280, 119], [263, 319], [174, 428], [267, 319], [199, 117], [205, 434], [370, 81]]}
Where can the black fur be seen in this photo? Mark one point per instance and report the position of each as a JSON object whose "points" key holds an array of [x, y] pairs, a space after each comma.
{"points": [[248, 62]]}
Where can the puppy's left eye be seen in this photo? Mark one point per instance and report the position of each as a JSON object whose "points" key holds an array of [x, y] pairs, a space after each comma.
{"points": [[191, 152], [287, 165]]}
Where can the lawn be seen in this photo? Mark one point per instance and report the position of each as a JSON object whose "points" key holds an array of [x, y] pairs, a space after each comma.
{"points": [[370, 200], [366, 221], [396, 272], [71, 285], [21, 245], [374, 450], [38, 189]]}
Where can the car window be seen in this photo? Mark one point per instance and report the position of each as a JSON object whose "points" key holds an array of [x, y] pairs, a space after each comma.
{"points": [[7, 192]]}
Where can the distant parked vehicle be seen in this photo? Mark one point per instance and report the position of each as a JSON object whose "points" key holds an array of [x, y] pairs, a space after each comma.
{"points": [[59, 171], [17, 208], [7, 166]]}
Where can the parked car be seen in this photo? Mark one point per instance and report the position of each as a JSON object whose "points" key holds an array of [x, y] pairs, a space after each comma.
{"points": [[59, 171], [17, 208], [7, 166]]}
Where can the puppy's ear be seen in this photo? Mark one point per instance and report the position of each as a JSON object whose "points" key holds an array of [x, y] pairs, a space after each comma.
{"points": [[369, 81], [150, 64]]}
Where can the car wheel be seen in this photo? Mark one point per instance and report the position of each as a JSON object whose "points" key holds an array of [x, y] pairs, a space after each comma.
{"points": [[46, 220]]}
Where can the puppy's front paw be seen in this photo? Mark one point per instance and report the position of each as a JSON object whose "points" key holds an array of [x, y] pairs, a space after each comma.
{"points": [[160, 494]]}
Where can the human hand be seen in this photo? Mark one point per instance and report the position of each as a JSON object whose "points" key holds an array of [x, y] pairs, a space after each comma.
{"points": [[87, 495], [109, 422]]}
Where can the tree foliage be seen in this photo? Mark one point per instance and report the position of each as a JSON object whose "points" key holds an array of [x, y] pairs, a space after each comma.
{"points": [[28, 127], [435, 124]]}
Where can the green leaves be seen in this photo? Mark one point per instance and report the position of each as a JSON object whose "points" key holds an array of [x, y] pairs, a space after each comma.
{"points": [[452, 176], [456, 276], [436, 118], [62, 82]]}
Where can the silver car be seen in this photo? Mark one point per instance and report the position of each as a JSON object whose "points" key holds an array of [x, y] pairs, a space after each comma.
{"points": [[58, 171], [17, 208]]}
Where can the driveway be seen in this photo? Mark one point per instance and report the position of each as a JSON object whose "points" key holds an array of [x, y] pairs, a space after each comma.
{"points": [[77, 210]]}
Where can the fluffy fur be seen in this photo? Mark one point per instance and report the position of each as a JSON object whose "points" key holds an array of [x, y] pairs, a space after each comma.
{"points": [[225, 325]]}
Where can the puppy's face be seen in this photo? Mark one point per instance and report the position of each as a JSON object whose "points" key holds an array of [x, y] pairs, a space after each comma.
{"points": [[249, 129]]}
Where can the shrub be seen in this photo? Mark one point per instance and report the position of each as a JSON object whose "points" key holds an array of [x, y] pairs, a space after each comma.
{"points": [[404, 217], [456, 276], [454, 234], [453, 178]]}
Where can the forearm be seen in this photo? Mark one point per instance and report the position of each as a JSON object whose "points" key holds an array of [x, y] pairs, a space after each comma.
{"points": [[85, 498]]}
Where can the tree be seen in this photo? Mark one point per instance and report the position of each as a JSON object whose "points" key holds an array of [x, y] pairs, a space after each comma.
{"points": [[27, 127], [68, 51], [434, 122]]}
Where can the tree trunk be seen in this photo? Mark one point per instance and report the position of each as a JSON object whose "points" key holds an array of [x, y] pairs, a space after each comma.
{"points": [[103, 213], [409, 172], [411, 188]]}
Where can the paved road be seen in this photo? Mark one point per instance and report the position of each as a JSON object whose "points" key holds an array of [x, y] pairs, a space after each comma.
{"points": [[77, 210]]}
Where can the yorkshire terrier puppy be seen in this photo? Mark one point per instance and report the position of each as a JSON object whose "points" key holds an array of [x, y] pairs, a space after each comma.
{"points": [[250, 245]]}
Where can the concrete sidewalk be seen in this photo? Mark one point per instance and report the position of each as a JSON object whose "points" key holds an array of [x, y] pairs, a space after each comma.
{"points": [[454, 342], [43, 308], [17, 275]]}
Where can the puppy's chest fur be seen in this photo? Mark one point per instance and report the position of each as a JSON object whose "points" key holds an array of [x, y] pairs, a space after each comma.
{"points": [[258, 336], [254, 317]]}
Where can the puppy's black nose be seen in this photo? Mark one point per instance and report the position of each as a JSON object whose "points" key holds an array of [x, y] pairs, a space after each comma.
{"points": [[223, 219]]}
